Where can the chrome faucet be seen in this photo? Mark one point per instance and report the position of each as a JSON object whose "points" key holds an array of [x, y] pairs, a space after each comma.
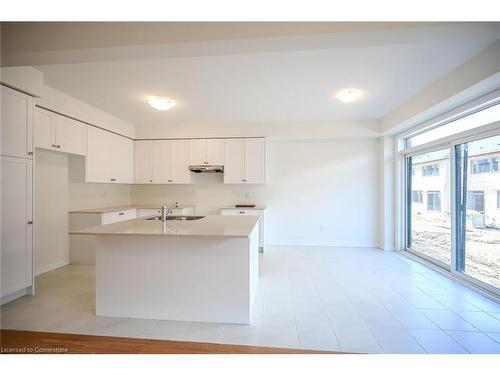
{"points": [[165, 211]]}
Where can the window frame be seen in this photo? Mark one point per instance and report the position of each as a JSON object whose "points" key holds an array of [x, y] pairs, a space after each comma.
{"points": [[403, 199]]}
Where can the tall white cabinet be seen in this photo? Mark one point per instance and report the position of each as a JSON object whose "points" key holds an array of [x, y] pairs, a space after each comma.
{"points": [[16, 194], [245, 161]]}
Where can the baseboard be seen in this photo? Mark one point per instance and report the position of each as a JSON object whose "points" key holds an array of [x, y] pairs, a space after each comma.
{"points": [[52, 266], [15, 295], [360, 245]]}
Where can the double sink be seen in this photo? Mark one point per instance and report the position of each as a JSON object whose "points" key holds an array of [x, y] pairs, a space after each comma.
{"points": [[178, 218]]}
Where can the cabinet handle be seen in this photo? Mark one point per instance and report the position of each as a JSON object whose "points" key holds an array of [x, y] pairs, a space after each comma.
{"points": [[58, 146], [30, 153], [54, 146], [150, 180], [120, 213], [30, 222]]}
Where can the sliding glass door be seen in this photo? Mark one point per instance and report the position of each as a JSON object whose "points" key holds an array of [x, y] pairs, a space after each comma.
{"points": [[428, 208], [452, 194], [478, 210]]}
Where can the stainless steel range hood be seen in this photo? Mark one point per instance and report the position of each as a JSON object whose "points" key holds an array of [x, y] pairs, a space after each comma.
{"points": [[206, 168]]}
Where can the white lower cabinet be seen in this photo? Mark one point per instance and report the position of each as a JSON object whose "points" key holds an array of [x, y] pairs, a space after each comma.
{"points": [[234, 211], [17, 226]]}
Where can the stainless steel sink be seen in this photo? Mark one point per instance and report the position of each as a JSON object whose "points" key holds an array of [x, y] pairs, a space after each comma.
{"points": [[178, 218]]}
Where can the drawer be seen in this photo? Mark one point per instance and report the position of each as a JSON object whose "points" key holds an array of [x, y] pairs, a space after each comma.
{"points": [[243, 212], [114, 217]]}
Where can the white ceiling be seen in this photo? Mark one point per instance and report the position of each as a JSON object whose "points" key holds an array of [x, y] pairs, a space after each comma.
{"points": [[285, 79]]}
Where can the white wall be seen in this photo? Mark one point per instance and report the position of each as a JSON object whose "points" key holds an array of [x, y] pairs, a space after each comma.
{"points": [[319, 193], [51, 211], [476, 77], [290, 130], [54, 196], [69, 106]]}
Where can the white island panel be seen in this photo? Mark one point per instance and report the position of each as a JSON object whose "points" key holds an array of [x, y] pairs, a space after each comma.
{"points": [[198, 278]]}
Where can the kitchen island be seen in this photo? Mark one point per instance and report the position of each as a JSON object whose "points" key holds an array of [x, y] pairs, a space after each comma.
{"points": [[203, 270]]}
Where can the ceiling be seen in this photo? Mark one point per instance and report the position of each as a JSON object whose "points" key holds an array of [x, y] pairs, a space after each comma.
{"points": [[239, 75]]}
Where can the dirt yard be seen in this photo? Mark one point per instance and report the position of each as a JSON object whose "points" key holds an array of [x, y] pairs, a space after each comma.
{"points": [[432, 237]]}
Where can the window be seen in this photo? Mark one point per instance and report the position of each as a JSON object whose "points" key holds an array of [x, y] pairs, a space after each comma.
{"points": [[428, 229], [434, 201], [430, 170], [475, 201], [472, 121], [484, 165], [453, 219], [417, 196], [477, 232]]}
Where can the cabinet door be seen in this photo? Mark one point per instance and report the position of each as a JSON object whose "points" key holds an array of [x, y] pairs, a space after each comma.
{"points": [[215, 151], [96, 161], [180, 162], [143, 159], [162, 162], [17, 227], [121, 159], [43, 129], [16, 123], [255, 161], [233, 163], [69, 135], [197, 151]]}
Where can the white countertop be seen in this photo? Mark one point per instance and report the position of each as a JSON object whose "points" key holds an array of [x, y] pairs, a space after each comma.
{"points": [[104, 210], [210, 225]]}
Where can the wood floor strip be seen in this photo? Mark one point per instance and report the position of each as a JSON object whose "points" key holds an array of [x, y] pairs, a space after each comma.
{"points": [[31, 342]]}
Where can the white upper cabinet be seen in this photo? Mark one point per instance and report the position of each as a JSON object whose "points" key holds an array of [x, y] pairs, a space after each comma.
{"points": [[43, 129], [197, 151], [245, 161], [69, 135], [255, 161], [215, 151], [96, 161], [143, 162], [162, 162], [121, 159], [206, 151], [110, 157], [234, 161], [16, 123], [59, 133], [180, 162]]}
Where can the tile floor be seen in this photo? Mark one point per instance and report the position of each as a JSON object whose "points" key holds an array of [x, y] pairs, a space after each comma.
{"points": [[348, 299]]}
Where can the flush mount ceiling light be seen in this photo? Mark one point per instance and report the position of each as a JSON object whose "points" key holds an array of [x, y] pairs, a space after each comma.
{"points": [[160, 103], [349, 95]]}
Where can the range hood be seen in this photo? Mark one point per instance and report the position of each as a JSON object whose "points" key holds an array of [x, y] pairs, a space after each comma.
{"points": [[206, 168]]}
